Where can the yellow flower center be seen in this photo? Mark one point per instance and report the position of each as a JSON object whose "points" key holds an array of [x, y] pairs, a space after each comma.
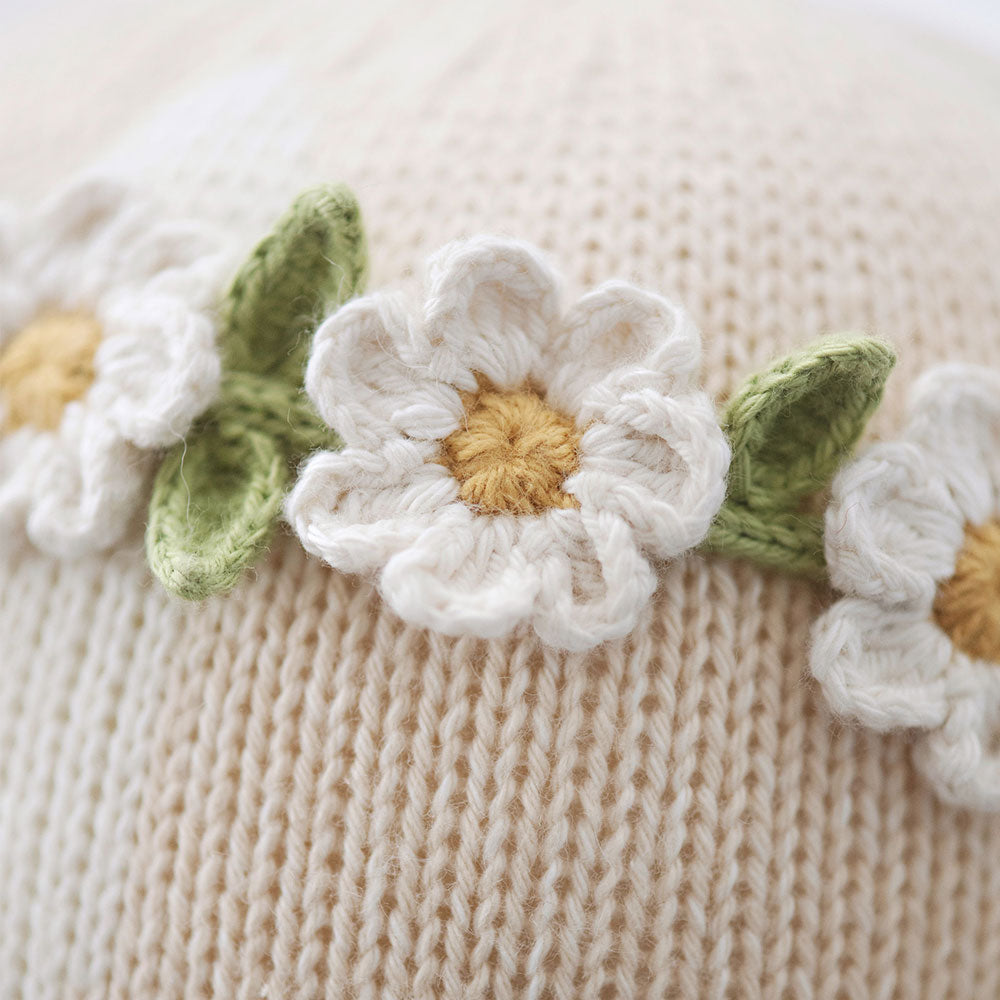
{"points": [[513, 453], [47, 365], [967, 606]]}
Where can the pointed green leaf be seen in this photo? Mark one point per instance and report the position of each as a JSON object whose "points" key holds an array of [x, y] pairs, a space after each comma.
{"points": [[217, 496], [215, 502], [315, 258], [790, 427], [213, 510]]}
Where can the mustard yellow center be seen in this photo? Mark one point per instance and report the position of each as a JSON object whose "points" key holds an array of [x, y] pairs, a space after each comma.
{"points": [[967, 606], [47, 365], [513, 453]]}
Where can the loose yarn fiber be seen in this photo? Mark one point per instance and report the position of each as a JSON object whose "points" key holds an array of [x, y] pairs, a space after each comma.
{"points": [[288, 792]]}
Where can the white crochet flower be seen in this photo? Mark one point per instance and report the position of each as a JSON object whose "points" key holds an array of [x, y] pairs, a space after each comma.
{"points": [[99, 296], [616, 375], [913, 539]]}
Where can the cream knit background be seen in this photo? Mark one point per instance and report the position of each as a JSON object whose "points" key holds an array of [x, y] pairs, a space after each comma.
{"points": [[288, 794]]}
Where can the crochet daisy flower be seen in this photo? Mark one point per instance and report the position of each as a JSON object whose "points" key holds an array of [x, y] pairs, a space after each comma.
{"points": [[504, 465], [106, 355], [913, 540]]}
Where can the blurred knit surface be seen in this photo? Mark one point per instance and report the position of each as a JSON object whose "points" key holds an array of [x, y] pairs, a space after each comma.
{"points": [[285, 793]]}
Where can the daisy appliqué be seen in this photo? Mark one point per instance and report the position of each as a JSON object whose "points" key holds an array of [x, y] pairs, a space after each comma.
{"points": [[505, 465], [107, 355], [913, 541]]}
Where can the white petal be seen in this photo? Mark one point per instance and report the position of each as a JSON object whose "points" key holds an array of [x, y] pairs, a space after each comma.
{"points": [[24, 454], [355, 509], [594, 580], [99, 237], [17, 303], [367, 382], [10, 233], [960, 757], [889, 668], [491, 304], [90, 489], [117, 256], [169, 257], [956, 422], [157, 367], [893, 529], [464, 575], [660, 463], [619, 337], [63, 255]]}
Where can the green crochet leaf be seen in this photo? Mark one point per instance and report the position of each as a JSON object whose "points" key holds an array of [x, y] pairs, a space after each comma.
{"points": [[790, 427], [217, 496], [316, 258]]}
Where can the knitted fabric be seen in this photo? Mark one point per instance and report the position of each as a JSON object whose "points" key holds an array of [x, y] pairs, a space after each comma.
{"points": [[290, 793], [218, 494], [790, 427]]}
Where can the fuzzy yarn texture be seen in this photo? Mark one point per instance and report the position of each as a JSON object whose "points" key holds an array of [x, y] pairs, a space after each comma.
{"points": [[540, 502], [218, 494], [290, 793], [790, 427]]}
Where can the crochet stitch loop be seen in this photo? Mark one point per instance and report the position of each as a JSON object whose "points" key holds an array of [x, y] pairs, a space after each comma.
{"points": [[217, 496], [789, 428]]}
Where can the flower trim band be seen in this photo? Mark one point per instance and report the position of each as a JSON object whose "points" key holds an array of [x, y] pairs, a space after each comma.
{"points": [[523, 446], [493, 461]]}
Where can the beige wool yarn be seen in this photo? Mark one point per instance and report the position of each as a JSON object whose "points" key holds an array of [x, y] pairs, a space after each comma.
{"points": [[287, 793]]}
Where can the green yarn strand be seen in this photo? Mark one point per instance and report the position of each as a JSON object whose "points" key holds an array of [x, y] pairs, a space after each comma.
{"points": [[217, 497], [790, 427]]}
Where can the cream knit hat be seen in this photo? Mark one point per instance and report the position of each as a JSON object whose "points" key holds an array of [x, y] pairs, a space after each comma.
{"points": [[286, 792]]}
